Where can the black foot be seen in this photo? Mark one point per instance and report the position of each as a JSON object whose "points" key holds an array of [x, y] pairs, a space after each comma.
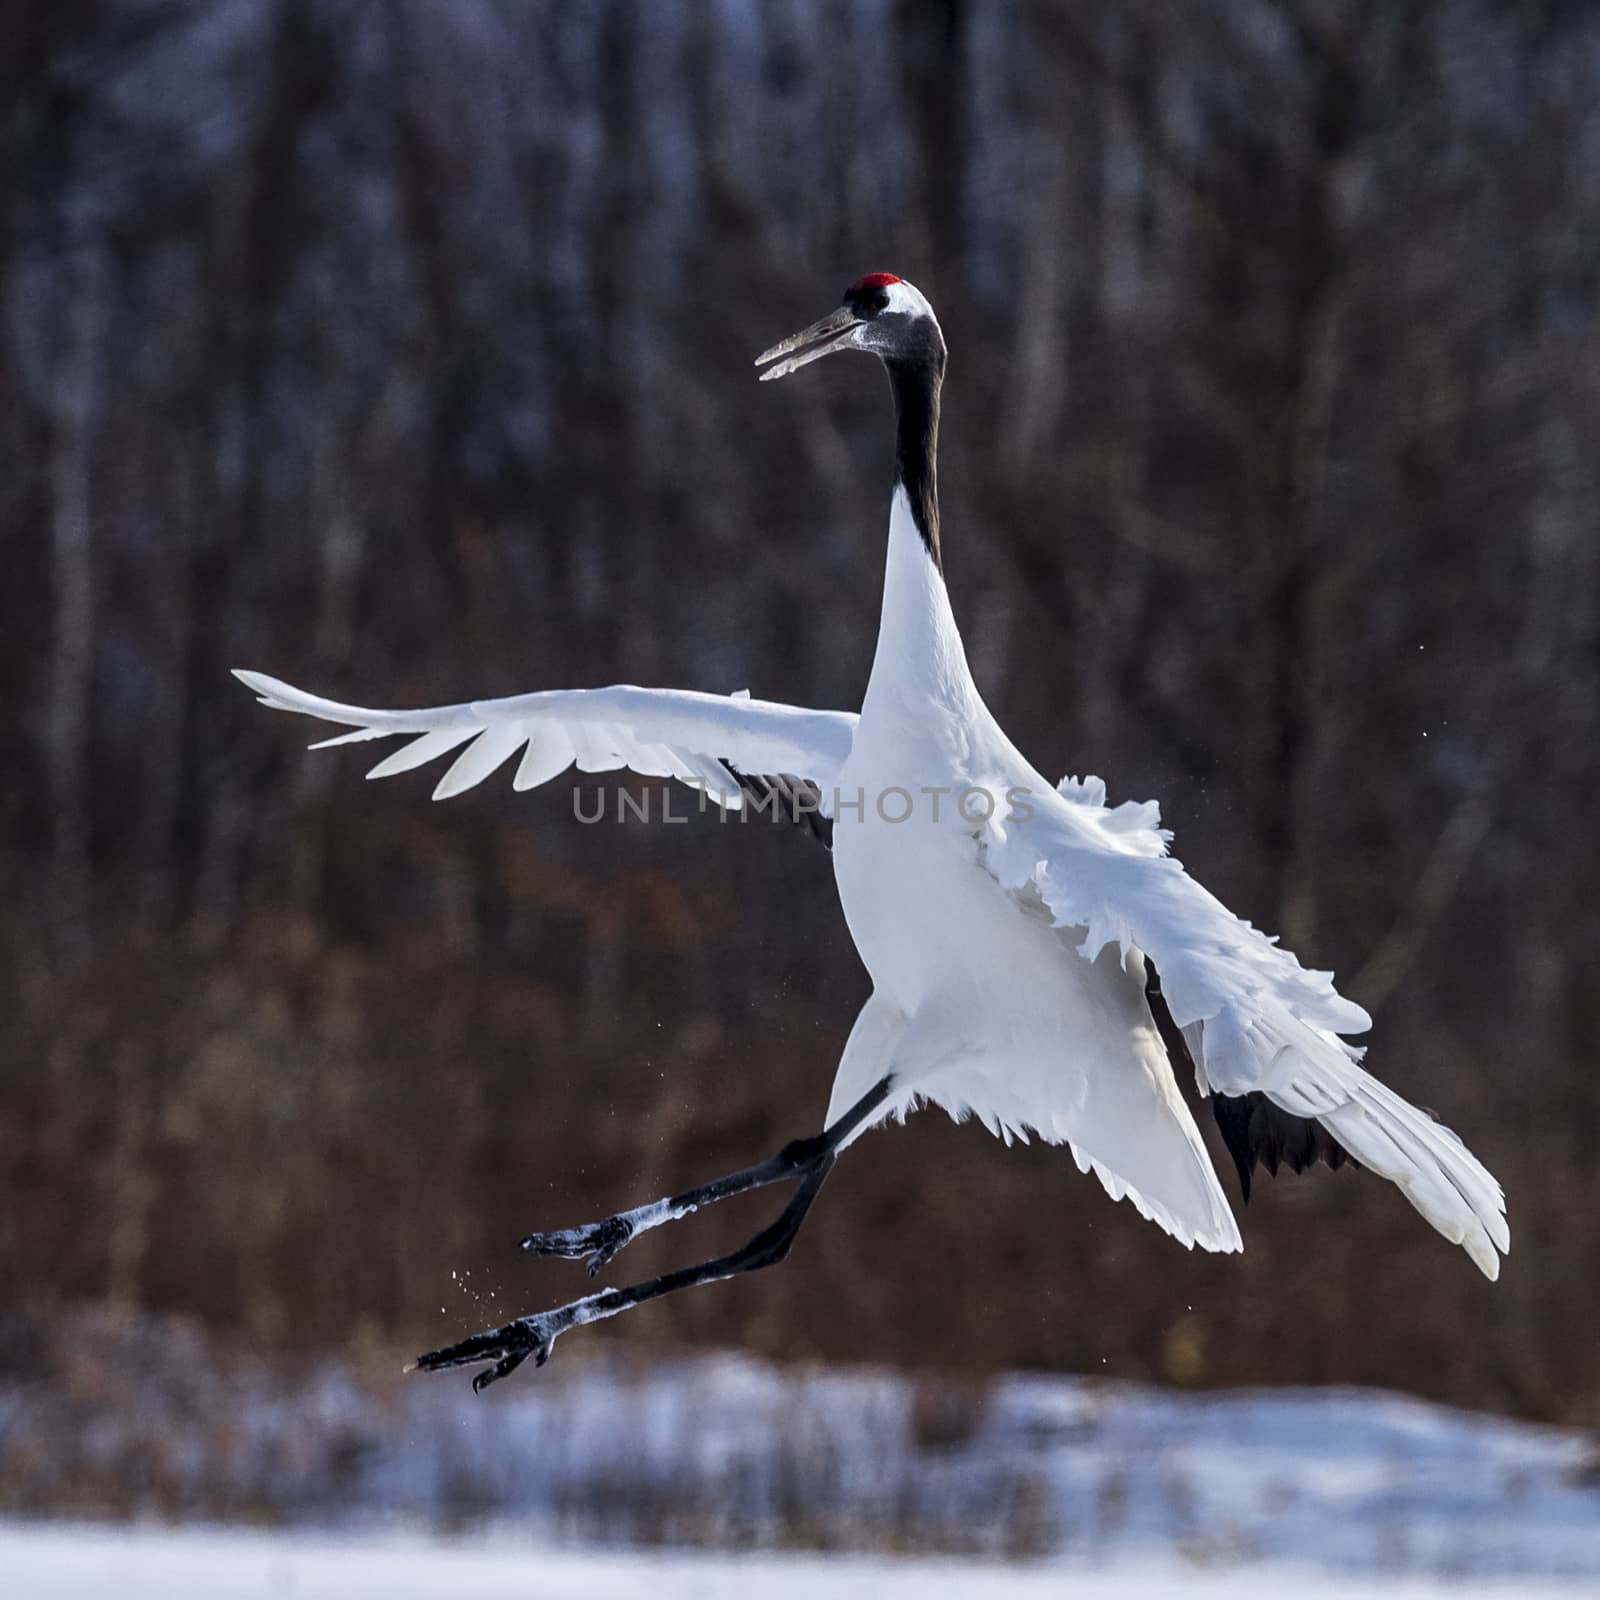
{"points": [[600, 1241], [507, 1347], [805, 1162]]}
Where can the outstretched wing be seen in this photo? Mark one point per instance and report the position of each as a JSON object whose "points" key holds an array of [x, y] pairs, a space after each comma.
{"points": [[728, 746], [1255, 1021]]}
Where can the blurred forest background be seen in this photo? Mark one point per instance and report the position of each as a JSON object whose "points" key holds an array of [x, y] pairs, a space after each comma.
{"points": [[404, 350]]}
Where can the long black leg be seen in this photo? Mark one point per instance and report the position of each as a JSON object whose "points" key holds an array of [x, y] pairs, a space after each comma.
{"points": [[601, 1241], [510, 1346], [811, 1160]]}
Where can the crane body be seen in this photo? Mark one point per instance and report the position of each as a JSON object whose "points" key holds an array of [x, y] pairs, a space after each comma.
{"points": [[1039, 960]]}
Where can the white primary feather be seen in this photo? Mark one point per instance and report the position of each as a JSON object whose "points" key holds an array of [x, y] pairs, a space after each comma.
{"points": [[695, 738]]}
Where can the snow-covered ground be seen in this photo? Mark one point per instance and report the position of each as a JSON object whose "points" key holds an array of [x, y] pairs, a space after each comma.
{"points": [[79, 1562], [632, 1451]]}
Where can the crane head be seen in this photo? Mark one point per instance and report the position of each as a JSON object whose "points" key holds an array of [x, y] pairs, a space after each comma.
{"points": [[881, 314]]}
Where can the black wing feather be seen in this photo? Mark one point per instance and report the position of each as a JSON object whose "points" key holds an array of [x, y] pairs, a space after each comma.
{"points": [[796, 799], [1256, 1131]]}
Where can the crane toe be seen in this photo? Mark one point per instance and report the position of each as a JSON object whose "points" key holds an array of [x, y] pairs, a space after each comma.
{"points": [[506, 1347], [600, 1241]]}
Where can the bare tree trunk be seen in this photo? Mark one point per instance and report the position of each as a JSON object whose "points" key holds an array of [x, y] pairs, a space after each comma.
{"points": [[1313, 352], [73, 604]]}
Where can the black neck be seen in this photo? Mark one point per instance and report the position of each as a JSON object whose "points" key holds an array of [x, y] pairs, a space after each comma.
{"points": [[916, 386]]}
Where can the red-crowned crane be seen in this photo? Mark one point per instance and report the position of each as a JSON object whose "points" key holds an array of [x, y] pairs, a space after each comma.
{"points": [[1013, 929]]}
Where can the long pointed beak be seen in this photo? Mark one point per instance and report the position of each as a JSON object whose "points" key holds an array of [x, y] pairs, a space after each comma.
{"points": [[834, 332]]}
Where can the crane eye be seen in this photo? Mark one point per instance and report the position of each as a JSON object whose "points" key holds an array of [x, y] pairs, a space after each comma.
{"points": [[866, 300]]}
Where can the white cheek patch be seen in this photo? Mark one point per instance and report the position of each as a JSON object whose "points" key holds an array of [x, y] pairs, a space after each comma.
{"points": [[907, 298]]}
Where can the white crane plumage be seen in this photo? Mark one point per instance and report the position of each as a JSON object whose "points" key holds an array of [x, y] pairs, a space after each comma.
{"points": [[1009, 925]]}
